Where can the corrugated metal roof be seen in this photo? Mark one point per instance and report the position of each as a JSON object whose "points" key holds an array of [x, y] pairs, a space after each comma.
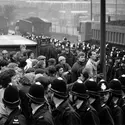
{"points": [[14, 40]]}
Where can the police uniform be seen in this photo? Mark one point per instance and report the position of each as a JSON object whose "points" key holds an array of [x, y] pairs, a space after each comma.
{"points": [[105, 115], [63, 114], [116, 111], [104, 111], [42, 114], [11, 101], [122, 100], [16, 118], [88, 115], [86, 112]]}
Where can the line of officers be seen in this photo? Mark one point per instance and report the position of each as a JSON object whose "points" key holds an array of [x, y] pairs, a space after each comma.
{"points": [[79, 103]]}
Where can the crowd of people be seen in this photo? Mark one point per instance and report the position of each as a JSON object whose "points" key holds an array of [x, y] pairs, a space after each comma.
{"points": [[63, 88]]}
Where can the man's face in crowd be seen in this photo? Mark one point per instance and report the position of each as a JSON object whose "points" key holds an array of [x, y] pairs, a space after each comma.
{"points": [[82, 58], [61, 71], [67, 50], [63, 61], [32, 56], [93, 56], [5, 54]]}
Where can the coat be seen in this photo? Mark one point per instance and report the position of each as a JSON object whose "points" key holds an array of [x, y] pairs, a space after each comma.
{"points": [[77, 66], [88, 115], [64, 114], [16, 118], [42, 116], [91, 68], [117, 114], [105, 115]]}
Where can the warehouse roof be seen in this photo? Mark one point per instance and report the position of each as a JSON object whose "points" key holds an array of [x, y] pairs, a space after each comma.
{"points": [[15, 40]]}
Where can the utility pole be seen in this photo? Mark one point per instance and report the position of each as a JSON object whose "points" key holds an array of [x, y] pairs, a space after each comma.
{"points": [[116, 2], [103, 35], [91, 9]]}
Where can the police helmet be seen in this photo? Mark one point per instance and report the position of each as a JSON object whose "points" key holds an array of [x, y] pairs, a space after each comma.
{"points": [[115, 87], [92, 87], [79, 90], [102, 86], [36, 93], [122, 80], [59, 88], [11, 97]]}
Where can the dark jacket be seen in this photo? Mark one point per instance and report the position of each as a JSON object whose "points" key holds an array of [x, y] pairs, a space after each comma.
{"points": [[70, 58], [42, 116], [65, 115], [16, 118], [105, 116], [76, 70], [117, 114], [121, 103], [26, 110], [88, 115]]}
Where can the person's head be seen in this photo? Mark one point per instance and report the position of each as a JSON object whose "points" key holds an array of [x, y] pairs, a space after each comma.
{"points": [[59, 89], [116, 90], [44, 81], [123, 64], [12, 65], [5, 54], [40, 64], [84, 75], [59, 69], [62, 60], [36, 95], [51, 61], [67, 50], [24, 81], [39, 71], [92, 88], [103, 91], [10, 98], [6, 77], [22, 63], [31, 77], [79, 93], [42, 59], [122, 80], [81, 57], [30, 70], [3, 63], [92, 55], [51, 71], [30, 54], [22, 48], [13, 56]]}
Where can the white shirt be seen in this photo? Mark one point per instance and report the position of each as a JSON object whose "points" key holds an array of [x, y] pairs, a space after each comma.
{"points": [[79, 104], [58, 103], [35, 109], [29, 64]]}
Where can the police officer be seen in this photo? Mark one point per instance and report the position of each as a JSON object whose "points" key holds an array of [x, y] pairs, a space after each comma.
{"points": [[92, 88], [122, 101], [41, 114], [115, 96], [104, 112], [63, 113], [11, 101], [80, 97]]}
